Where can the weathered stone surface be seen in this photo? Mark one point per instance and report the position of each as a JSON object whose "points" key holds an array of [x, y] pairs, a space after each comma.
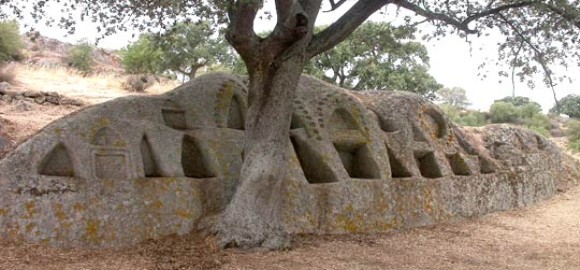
{"points": [[32, 94], [52, 98], [141, 167]]}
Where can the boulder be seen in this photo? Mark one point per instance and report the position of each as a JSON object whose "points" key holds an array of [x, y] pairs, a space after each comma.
{"points": [[142, 167], [4, 86], [32, 94]]}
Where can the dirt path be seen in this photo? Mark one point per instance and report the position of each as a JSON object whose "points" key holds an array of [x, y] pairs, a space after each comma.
{"points": [[544, 236]]}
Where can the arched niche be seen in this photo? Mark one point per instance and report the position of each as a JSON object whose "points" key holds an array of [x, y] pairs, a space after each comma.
{"points": [[435, 123], [341, 119]]}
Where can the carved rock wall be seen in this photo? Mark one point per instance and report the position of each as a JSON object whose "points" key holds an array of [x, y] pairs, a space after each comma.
{"points": [[142, 167]]}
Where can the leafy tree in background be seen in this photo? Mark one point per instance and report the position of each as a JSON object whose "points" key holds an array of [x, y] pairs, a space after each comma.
{"points": [[456, 97], [81, 57], [569, 105], [518, 101], [377, 56], [183, 49], [142, 56], [528, 114], [10, 42], [187, 47], [544, 31]]}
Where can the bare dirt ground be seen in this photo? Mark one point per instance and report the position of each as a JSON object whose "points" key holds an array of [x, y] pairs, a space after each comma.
{"points": [[543, 236]]}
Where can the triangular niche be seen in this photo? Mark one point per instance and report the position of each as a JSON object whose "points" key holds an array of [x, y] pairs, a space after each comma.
{"points": [[57, 163], [342, 120], [398, 170]]}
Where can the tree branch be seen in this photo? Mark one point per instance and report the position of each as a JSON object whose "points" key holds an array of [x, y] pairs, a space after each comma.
{"points": [[566, 15], [240, 33], [464, 24], [344, 26], [539, 56]]}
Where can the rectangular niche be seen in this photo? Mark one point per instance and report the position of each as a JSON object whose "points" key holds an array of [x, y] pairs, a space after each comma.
{"points": [[174, 115], [194, 160], [458, 165], [398, 170], [111, 164], [357, 160], [150, 167], [428, 166], [486, 166], [315, 169]]}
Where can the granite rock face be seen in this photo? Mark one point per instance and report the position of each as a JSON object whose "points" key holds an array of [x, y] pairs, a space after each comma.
{"points": [[143, 167]]}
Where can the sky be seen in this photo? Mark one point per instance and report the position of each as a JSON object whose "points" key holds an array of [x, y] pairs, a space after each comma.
{"points": [[454, 63]]}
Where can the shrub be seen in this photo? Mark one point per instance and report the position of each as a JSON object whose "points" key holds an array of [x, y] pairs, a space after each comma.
{"points": [[7, 73], [138, 83], [81, 57], [503, 112], [464, 117], [10, 43], [529, 110], [573, 130], [142, 57], [573, 133], [472, 119]]}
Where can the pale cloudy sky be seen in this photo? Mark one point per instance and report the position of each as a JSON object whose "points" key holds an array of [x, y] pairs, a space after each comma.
{"points": [[453, 62]]}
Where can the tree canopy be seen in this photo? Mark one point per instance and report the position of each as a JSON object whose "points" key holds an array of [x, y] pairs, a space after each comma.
{"points": [[377, 56], [10, 43], [183, 49], [455, 97], [569, 105]]}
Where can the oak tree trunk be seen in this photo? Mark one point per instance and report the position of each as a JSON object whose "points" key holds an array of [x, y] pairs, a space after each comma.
{"points": [[253, 216]]}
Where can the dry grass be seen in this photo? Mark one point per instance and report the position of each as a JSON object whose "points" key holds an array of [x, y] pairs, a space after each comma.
{"points": [[93, 89]]}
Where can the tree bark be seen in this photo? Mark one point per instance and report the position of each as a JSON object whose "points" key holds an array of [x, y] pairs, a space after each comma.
{"points": [[253, 217], [275, 63]]}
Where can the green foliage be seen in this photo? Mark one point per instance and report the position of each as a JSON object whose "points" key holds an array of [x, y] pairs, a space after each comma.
{"points": [[455, 96], [81, 57], [528, 114], [377, 56], [183, 49], [573, 133], [142, 56], [573, 130], [10, 42], [189, 46], [569, 105], [464, 117], [518, 101], [503, 112]]}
